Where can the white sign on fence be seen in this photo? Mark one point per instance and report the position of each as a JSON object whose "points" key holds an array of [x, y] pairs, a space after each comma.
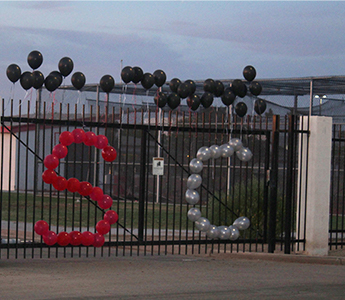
{"points": [[158, 166]]}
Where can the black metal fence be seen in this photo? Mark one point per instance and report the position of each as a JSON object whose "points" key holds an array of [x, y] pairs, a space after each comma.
{"points": [[152, 208], [337, 201]]}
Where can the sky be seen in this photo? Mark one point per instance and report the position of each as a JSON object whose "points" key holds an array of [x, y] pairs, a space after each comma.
{"points": [[186, 39]]}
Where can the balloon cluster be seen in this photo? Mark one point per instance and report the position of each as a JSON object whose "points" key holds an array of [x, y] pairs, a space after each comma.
{"points": [[54, 79], [187, 90], [84, 188], [194, 181]]}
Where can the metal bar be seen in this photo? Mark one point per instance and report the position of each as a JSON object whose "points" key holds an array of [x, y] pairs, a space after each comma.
{"points": [[289, 185], [273, 185], [142, 185]]}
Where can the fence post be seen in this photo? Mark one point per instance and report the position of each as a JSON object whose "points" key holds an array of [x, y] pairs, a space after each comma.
{"points": [[273, 185], [314, 190], [289, 184], [142, 184]]}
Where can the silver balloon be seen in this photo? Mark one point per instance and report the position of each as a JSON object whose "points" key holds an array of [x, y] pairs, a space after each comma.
{"points": [[236, 144], [224, 232], [212, 232], [204, 153], [194, 181], [226, 150], [195, 165], [192, 196], [215, 151], [242, 223], [194, 214], [244, 154], [234, 233], [202, 224]]}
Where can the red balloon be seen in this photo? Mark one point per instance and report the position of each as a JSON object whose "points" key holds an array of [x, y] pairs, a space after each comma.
{"points": [[76, 238], [63, 238], [60, 151], [106, 202], [66, 138], [98, 240], [60, 183], [109, 153], [49, 176], [50, 238], [41, 227], [73, 185], [111, 217], [90, 138], [85, 188], [51, 162], [103, 227], [87, 238], [96, 194], [101, 142], [79, 135]]}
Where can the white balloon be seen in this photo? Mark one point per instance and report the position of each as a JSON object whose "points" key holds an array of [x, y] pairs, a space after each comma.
{"points": [[224, 232], [242, 223], [192, 196], [204, 153], [244, 154], [194, 181], [226, 150], [196, 165], [236, 144], [202, 224], [194, 214], [215, 151], [234, 233], [212, 232]]}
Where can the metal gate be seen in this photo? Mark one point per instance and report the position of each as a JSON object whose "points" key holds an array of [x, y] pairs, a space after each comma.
{"points": [[152, 208]]}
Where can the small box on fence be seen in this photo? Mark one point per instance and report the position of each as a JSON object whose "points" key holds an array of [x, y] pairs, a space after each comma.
{"points": [[158, 166]]}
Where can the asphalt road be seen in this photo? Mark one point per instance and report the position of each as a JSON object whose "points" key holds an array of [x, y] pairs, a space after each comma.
{"points": [[173, 277]]}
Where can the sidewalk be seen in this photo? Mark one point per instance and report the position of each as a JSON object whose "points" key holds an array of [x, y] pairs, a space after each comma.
{"points": [[219, 276]]}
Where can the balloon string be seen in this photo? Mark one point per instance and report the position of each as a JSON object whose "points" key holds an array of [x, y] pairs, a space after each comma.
{"points": [[134, 97]]}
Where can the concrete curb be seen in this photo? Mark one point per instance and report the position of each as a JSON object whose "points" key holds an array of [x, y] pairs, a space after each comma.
{"points": [[291, 258]]}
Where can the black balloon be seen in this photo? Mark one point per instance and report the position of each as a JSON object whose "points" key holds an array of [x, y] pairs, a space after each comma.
{"points": [[173, 84], [228, 97], [58, 75], [206, 99], [13, 72], [209, 85], [78, 80], [255, 88], [38, 79], [260, 106], [193, 102], [237, 86], [107, 83], [192, 86], [51, 83], [160, 77], [35, 59], [127, 74], [148, 81], [161, 99], [218, 88], [241, 109], [174, 100], [249, 73], [27, 80], [65, 66], [183, 90], [243, 92], [138, 74]]}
